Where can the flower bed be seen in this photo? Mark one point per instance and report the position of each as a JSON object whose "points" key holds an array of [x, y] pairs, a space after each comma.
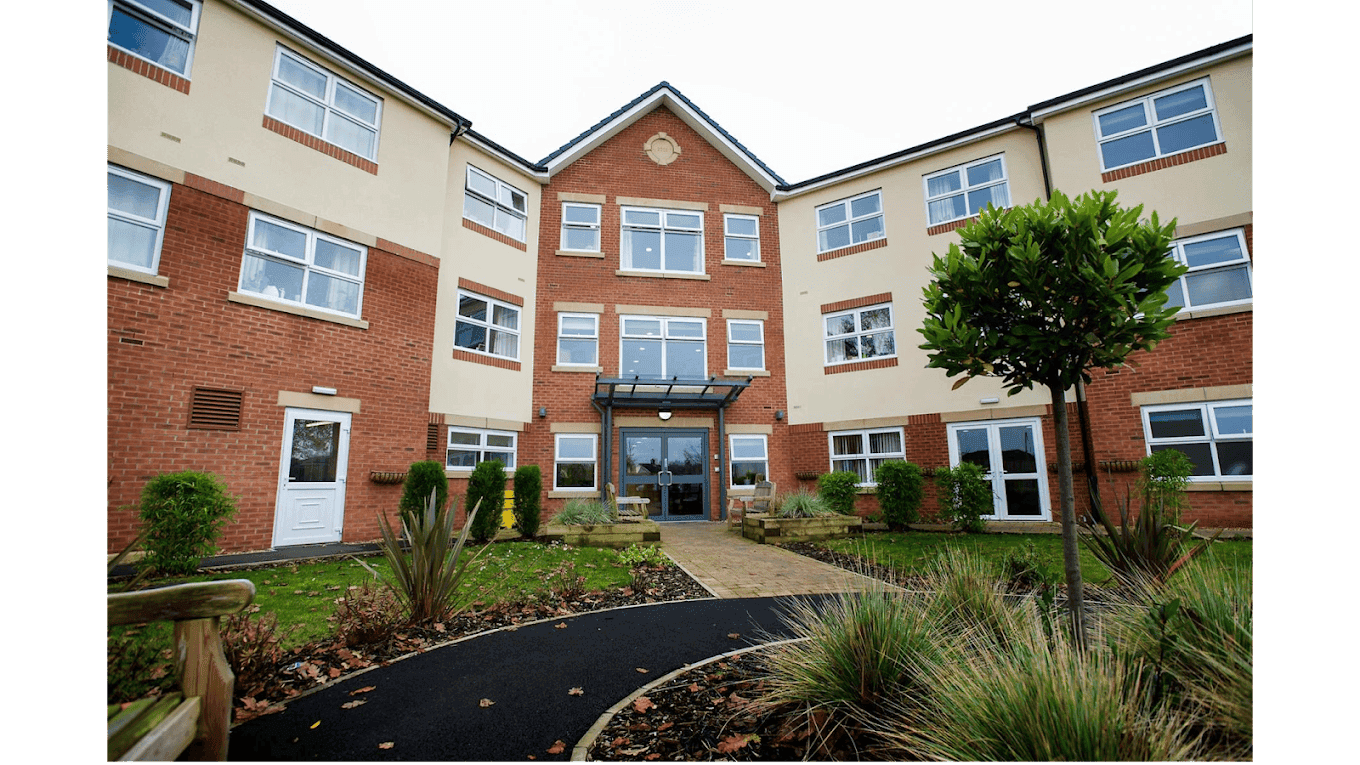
{"points": [[769, 529], [616, 535]]}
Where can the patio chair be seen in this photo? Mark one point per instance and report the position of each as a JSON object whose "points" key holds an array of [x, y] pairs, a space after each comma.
{"points": [[762, 501]]}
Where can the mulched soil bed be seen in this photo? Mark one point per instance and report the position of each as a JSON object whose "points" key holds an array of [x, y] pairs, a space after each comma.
{"points": [[316, 664]]}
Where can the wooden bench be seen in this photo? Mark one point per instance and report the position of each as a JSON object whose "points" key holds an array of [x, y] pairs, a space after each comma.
{"points": [[758, 502], [627, 508], [195, 719]]}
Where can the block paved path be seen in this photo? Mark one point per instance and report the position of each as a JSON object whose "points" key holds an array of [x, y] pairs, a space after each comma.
{"points": [[730, 566]]}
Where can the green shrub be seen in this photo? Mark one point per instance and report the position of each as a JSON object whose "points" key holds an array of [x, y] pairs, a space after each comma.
{"points": [[965, 496], [528, 499], [427, 581], [583, 512], [838, 490], [183, 515], [901, 487], [1156, 546], [486, 488], [422, 478], [643, 555], [802, 504]]}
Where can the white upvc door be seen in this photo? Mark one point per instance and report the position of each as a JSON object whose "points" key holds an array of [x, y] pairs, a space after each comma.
{"points": [[310, 508], [1011, 452]]}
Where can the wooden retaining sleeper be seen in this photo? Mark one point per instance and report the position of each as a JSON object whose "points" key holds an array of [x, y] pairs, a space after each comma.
{"points": [[196, 719]]}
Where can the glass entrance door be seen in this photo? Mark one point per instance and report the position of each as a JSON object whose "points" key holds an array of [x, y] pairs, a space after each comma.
{"points": [[667, 467], [1011, 452]]}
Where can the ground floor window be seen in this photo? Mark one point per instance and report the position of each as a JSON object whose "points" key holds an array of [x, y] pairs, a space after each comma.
{"points": [[469, 446], [575, 461], [1011, 453], [750, 460], [862, 451], [1215, 435]]}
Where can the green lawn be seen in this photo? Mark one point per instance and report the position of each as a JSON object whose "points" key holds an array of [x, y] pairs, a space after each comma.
{"points": [[911, 552]]}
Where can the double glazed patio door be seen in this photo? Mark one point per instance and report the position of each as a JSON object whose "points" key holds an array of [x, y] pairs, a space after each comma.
{"points": [[1011, 454], [668, 468]]}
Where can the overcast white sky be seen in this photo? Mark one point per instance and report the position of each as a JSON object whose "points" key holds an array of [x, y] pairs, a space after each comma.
{"points": [[809, 89]]}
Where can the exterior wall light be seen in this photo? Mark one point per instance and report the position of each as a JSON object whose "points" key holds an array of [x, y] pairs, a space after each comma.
{"points": [[323, 391], [664, 414], [543, 411], [779, 414]]}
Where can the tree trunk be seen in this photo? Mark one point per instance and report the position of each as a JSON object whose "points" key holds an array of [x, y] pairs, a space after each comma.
{"points": [[1076, 605]]}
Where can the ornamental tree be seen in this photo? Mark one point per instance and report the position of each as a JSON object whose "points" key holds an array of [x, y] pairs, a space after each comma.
{"points": [[1042, 294]]}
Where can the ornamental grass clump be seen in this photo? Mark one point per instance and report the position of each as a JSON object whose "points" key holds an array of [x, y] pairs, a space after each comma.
{"points": [[583, 512], [428, 580], [803, 504]]}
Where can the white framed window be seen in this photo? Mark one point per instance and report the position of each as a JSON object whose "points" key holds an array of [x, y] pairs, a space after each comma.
{"points": [[1011, 455], [574, 460], [1215, 435], [750, 461], [295, 264], [862, 451], [662, 240], [137, 209], [1158, 125], [495, 204], [659, 347], [964, 191], [850, 221], [159, 31], [578, 339], [469, 446], [315, 101], [745, 344], [1220, 271], [580, 227], [486, 325], [858, 334], [741, 237]]}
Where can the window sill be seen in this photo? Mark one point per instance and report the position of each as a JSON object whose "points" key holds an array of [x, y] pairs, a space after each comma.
{"points": [[1218, 486], [492, 233], [573, 493], [136, 64], [664, 275], [297, 310], [138, 276], [853, 249], [457, 472], [941, 228], [1204, 313], [1151, 165], [319, 144], [746, 263], [462, 354], [577, 254], [745, 373], [856, 366], [567, 368]]}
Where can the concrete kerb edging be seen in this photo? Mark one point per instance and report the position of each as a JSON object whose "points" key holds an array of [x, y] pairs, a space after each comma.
{"points": [[579, 752], [506, 628], [691, 575]]}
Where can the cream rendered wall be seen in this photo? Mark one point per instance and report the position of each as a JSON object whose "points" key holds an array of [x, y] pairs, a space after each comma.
{"points": [[222, 117], [900, 268], [1203, 190], [467, 388]]}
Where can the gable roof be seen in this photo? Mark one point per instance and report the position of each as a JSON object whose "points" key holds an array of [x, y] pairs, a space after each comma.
{"points": [[664, 94]]}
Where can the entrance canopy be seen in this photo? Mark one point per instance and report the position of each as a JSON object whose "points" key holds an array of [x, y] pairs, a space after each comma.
{"points": [[675, 393]]}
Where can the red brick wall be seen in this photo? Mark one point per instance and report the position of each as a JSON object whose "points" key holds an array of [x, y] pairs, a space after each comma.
{"points": [[1200, 353], [164, 342], [620, 168]]}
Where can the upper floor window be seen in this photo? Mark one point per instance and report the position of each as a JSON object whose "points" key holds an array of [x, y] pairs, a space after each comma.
{"points": [[663, 240], [578, 339], [850, 221], [861, 333], [1220, 271], [160, 31], [495, 204], [862, 451], [657, 347], [137, 209], [295, 264], [580, 227], [1216, 435], [741, 237], [316, 101], [745, 344], [469, 446], [487, 326], [1156, 125], [964, 191]]}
